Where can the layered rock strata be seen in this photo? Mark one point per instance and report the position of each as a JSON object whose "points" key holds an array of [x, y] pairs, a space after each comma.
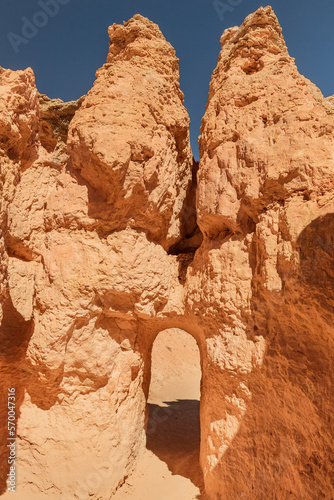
{"points": [[100, 251]]}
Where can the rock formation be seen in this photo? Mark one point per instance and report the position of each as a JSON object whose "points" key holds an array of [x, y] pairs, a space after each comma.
{"points": [[100, 251], [266, 207]]}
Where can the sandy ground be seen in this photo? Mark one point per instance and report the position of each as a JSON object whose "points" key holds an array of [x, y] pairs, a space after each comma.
{"points": [[169, 468]]}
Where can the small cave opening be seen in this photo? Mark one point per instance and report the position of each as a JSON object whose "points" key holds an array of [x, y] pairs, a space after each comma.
{"points": [[173, 427]]}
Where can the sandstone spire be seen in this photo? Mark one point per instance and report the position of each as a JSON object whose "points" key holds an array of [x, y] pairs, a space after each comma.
{"points": [[265, 203], [130, 138], [258, 41], [258, 107]]}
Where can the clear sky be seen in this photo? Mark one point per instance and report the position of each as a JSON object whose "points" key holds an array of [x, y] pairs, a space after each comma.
{"points": [[71, 44]]}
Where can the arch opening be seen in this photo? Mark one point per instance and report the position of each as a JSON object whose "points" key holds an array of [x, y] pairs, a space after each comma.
{"points": [[173, 427]]}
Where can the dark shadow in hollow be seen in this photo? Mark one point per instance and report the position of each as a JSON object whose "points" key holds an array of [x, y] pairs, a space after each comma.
{"points": [[173, 435], [15, 334], [316, 249]]}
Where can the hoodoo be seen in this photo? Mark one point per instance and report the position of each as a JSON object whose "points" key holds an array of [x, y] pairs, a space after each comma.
{"points": [[101, 250]]}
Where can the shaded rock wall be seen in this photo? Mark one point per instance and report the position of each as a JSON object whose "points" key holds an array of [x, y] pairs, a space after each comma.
{"points": [[100, 251]]}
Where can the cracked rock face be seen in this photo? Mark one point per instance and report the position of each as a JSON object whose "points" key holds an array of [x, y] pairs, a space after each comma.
{"points": [[100, 251]]}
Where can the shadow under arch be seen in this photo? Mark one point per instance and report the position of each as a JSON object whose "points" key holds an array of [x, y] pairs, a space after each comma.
{"points": [[173, 387]]}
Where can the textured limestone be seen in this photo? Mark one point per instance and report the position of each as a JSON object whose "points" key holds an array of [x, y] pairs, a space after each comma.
{"points": [[99, 252]]}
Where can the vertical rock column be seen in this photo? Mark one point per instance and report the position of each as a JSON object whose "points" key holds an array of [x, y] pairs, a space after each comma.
{"points": [[100, 197], [262, 281], [18, 130], [130, 138]]}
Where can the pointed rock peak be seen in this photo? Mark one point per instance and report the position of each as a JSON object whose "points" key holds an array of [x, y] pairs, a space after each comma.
{"points": [[259, 39], [266, 20], [144, 27], [140, 44], [263, 16], [138, 30]]}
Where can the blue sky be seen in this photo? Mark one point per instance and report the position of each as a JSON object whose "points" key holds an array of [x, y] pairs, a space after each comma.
{"points": [[73, 43]]}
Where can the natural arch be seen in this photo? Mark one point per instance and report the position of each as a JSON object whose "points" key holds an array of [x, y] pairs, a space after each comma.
{"points": [[170, 465], [173, 428]]}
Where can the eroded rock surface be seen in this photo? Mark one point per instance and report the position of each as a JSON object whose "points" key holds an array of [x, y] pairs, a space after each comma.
{"points": [[85, 230], [265, 197], [130, 138], [99, 252]]}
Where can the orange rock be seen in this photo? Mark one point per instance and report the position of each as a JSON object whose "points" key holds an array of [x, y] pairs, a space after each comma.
{"points": [[130, 138], [100, 252], [264, 273]]}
